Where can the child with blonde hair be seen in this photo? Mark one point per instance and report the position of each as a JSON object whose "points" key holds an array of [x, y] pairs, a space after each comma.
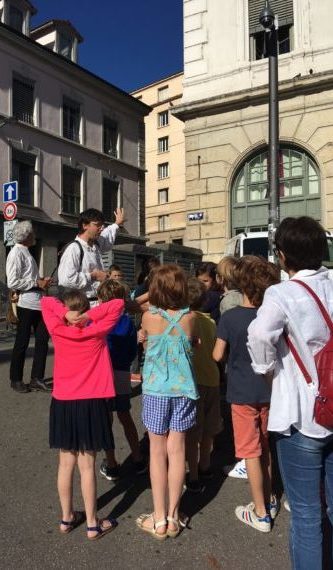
{"points": [[226, 276], [200, 438]]}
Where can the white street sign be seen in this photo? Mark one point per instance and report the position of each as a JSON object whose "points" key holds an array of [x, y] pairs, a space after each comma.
{"points": [[8, 228]]}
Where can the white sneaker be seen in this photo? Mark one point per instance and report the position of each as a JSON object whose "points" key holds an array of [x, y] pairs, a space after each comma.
{"points": [[239, 470], [286, 505]]}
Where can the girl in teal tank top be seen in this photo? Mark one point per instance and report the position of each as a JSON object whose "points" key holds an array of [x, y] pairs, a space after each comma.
{"points": [[169, 395]]}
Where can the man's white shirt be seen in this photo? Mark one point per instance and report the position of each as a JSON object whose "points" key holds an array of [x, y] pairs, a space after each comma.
{"points": [[74, 276]]}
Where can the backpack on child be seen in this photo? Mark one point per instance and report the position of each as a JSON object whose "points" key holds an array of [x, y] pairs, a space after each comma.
{"points": [[323, 409]]}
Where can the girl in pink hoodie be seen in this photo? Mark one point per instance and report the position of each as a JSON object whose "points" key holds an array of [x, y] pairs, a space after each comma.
{"points": [[82, 381]]}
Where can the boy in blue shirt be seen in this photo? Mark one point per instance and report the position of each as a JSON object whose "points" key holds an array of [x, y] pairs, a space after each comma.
{"points": [[122, 343]]}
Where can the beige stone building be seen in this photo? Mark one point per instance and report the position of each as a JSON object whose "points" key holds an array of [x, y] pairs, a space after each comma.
{"points": [[165, 161], [225, 111]]}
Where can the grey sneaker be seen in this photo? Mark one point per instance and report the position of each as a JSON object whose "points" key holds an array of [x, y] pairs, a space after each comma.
{"points": [[37, 385]]}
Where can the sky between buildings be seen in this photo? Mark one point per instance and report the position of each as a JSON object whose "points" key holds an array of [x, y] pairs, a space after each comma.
{"points": [[130, 43]]}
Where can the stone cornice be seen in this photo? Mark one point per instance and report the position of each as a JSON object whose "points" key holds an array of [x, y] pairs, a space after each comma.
{"points": [[256, 96]]}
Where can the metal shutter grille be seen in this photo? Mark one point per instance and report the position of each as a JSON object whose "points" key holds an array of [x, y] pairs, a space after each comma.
{"points": [[283, 8], [126, 260], [23, 101]]}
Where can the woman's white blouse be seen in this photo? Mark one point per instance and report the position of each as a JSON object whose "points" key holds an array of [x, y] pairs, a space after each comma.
{"points": [[288, 306], [22, 274]]}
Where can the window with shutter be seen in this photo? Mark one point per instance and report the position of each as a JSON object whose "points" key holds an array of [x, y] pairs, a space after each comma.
{"points": [[16, 18], [110, 191], [71, 190], [141, 144], [110, 137], [23, 170], [163, 170], [65, 46], [71, 118], [23, 100], [284, 10], [163, 196], [163, 223]]}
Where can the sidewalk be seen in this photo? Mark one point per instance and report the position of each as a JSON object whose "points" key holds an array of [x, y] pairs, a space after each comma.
{"points": [[30, 538]]}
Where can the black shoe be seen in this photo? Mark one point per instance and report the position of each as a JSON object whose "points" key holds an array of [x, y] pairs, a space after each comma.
{"points": [[206, 475], [194, 487], [110, 473], [20, 387], [140, 467], [39, 386]]}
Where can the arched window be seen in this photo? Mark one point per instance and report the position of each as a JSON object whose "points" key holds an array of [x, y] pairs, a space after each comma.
{"points": [[299, 189]]}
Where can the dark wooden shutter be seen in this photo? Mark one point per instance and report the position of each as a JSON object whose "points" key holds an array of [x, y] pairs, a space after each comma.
{"points": [[283, 9], [23, 100], [109, 198]]}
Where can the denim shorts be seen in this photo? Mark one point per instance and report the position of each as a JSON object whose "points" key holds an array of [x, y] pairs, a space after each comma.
{"points": [[161, 414]]}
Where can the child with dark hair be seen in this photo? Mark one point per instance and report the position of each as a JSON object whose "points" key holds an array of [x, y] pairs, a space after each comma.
{"points": [[249, 393], [206, 273], [199, 439], [115, 272], [122, 343], [82, 383]]}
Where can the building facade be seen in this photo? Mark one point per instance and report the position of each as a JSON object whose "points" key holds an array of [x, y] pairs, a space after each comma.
{"points": [[225, 111], [70, 139], [165, 161]]}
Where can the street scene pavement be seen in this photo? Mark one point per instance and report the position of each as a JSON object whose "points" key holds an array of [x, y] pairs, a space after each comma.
{"points": [[30, 510]]}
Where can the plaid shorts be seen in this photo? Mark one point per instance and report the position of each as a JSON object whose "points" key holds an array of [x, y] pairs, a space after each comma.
{"points": [[161, 414]]}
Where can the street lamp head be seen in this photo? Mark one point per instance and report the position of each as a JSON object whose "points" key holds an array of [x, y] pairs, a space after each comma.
{"points": [[267, 17]]}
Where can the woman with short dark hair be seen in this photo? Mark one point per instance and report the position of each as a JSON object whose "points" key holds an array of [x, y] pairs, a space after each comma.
{"points": [[305, 448]]}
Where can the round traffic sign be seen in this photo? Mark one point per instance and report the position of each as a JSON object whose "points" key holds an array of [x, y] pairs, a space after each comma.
{"points": [[9, 211]]}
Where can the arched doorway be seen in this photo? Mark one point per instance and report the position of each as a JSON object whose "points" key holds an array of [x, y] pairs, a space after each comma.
{"points": [[299, 189]]}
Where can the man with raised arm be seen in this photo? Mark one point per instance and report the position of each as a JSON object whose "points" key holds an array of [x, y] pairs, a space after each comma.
{"points": [[81, 265]]}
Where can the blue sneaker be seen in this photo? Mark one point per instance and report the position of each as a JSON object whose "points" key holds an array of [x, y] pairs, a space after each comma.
{"points": [[273, 507], [248, 516], [239, 470]]}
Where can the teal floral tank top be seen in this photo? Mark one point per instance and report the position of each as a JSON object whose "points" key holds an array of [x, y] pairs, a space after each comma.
{"points": [[167, 369]]}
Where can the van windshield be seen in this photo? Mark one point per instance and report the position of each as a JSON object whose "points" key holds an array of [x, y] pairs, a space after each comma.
{"points": [[328, 261], [256, 246], [259, 246]]}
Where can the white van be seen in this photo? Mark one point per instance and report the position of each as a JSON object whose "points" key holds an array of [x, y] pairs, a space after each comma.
{"points": [[256, 243]]}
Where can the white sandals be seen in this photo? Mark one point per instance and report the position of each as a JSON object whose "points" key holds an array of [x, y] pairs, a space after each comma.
{"points": [[156, 524]]}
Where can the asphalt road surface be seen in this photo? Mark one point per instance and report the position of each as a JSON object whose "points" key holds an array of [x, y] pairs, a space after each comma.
{"points": [[30, 512]]}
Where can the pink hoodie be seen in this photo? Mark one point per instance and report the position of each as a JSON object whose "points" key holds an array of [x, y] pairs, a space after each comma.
{"points": [[82, 365]]}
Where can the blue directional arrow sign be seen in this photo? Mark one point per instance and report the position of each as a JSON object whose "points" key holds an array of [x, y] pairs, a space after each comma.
{"points": [[10, 191]]}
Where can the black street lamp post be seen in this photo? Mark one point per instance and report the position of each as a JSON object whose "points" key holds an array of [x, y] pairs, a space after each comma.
{"points": [[267, 19]]}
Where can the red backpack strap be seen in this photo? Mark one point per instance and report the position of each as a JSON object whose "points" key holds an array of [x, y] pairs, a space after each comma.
{"points": [[297, 357], [321, 307]]}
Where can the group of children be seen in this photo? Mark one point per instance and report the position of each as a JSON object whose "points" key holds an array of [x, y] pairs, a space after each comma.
{"points": [[94, 349]]}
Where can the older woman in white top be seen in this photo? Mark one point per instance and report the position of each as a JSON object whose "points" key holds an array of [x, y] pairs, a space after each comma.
{"points": [[305, 449], [23, 277]]}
